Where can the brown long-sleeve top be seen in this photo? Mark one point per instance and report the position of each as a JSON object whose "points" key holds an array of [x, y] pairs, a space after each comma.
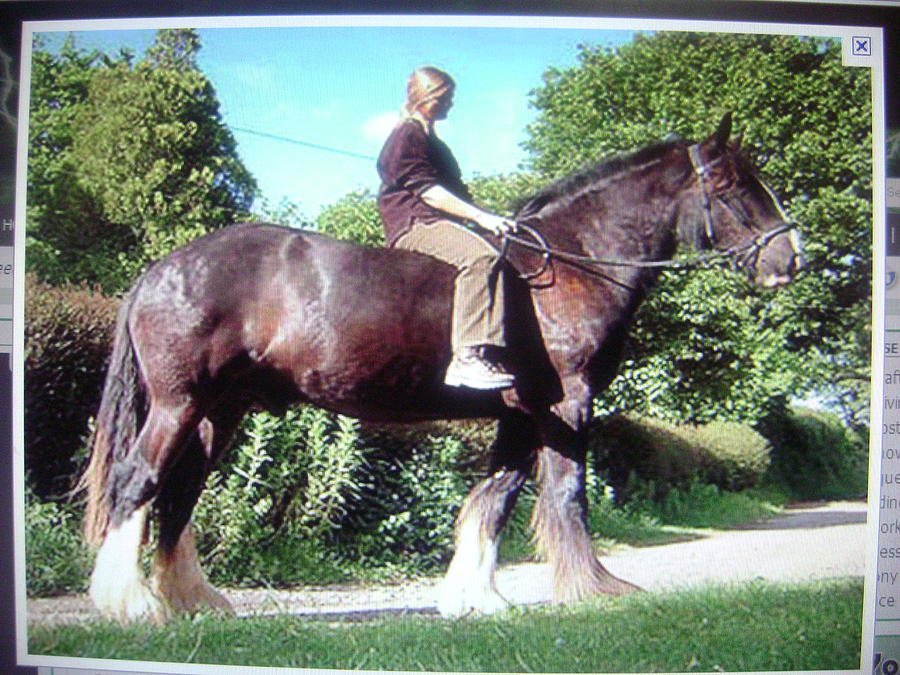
{"points": [[411, 161]]}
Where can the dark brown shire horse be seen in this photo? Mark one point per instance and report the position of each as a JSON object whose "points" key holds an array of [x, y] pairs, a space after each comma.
{"points": [[257, 315]]}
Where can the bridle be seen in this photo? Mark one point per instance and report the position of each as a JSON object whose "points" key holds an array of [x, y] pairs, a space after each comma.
{"points": [[741, 255], [747, 254]]}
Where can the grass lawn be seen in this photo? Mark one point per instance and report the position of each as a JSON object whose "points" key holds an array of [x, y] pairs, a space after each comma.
{"points": [[758, 626]]}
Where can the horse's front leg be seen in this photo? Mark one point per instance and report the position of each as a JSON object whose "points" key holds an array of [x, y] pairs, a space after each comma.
{"points": [[469, 585], [560, 514]]}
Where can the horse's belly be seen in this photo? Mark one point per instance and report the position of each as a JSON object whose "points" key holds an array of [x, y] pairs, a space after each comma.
{"points": [[382, 383], [359, 370]]}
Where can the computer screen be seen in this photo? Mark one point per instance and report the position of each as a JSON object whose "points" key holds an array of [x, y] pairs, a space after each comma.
{"points": [[264, 412]]}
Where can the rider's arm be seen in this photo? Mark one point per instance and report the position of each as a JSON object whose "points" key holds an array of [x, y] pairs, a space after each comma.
{"points": [[443, 200]]}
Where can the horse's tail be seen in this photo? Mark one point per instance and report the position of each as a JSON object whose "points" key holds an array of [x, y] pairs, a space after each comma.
{"points": [[122, 411]]}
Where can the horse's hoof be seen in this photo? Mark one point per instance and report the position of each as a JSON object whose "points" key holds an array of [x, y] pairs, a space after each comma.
{"points": [[192, 597], [220, 603], [136, 602], [455, 603], [210, 598]]}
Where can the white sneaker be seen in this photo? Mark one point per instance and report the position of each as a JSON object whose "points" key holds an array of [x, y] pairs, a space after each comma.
{"points": [[471, 369]]}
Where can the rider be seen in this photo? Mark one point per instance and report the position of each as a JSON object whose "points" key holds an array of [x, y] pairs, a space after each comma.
{"points": [[424, 205]]}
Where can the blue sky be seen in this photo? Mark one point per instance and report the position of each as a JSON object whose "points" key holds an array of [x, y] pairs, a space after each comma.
{"points": [[343, 87]]}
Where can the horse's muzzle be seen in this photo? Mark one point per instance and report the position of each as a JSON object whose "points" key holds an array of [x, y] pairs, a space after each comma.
{"points": [[780, 260]]}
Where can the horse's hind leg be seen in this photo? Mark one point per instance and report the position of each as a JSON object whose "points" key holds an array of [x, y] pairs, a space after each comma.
{"points": [[177, 576], [469, 584], [118, 586]]}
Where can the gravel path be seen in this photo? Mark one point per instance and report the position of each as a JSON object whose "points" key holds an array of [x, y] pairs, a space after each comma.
{"points": [[805, 543]]}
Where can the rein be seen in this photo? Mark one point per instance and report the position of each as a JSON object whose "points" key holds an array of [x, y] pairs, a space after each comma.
{"points": [[744, 252], [539, 245]]}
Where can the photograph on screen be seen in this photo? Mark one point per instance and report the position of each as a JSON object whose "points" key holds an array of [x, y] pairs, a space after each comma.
{"points": [[446, 344]]}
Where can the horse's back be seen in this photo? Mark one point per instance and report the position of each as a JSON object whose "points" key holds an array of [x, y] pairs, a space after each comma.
{"points": [[254, 263], [346, 326]]}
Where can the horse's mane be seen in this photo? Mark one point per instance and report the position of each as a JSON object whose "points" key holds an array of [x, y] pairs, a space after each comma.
{"points": [[576, 183]]}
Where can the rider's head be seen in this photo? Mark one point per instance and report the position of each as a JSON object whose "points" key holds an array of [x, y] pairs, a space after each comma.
{"points": [[429, 93]]}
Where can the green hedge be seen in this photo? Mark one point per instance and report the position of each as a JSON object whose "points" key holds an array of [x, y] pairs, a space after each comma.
{"points": [[284, 485], [816, 454], [314, 498], [68, 333], [411, 488], [728, 455]]}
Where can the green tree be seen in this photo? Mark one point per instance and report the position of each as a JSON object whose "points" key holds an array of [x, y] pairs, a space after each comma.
{"points": [[501, 193], [353, 217], [143, 163], [61, 219], [706, 345], [285, 212]]}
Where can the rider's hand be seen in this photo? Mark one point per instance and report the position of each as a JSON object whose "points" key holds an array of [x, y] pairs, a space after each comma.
{"points": [[443, 200], [496, 224]]}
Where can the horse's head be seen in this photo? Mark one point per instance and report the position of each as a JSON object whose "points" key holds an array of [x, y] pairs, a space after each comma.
{"points": [[729, 208]]}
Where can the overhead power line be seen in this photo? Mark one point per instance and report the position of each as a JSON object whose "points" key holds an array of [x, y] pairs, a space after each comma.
{"points": [[305, 144]]}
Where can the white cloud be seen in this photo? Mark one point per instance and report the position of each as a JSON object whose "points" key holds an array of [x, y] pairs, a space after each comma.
{"points": [[377, 128]]}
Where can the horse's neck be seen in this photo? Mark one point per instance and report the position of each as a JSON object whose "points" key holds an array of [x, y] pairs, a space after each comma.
{"points": [[626, 217]]}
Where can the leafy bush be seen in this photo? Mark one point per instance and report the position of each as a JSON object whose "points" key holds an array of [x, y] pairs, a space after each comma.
{"points": [[284, 487], [285, 212], [315, 497], [735, 456], [705, 346], [726, 454], [403, 517], [698, 504], [57, 559], [502, 194], [68, 334], [353, 217], [815, 455]]}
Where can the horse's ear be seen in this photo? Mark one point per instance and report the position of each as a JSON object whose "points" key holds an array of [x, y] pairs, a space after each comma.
{"points": [[723, 133], [737, 140]]}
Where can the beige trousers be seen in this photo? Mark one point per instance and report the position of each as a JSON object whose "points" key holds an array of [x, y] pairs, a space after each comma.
{"points": [[478, 294]]}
